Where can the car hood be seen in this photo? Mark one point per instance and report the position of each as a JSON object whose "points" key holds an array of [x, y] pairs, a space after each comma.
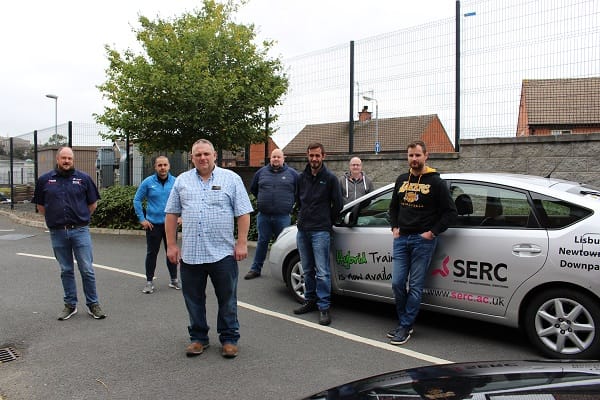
{"points": [[478, 380]]}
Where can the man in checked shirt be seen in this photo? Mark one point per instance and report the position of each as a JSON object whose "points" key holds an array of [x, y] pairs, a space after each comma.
{"points": [[209, 199]]}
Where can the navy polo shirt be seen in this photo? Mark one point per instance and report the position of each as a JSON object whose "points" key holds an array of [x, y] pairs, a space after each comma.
{"points": [[66, 198]]}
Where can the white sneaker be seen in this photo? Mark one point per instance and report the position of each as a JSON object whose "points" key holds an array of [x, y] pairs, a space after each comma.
{"points": [[149, 288], [175, 285]]}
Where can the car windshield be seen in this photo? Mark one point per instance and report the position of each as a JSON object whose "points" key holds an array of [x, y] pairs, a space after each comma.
{"points": [[542, 385]]}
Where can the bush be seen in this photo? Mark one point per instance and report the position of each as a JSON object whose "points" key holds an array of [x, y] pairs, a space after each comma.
{"points": [[253, 231], [115, 209]]}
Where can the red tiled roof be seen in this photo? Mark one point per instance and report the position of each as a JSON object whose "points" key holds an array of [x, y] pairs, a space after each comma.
{"points": [[393, 134], [562, 101]]}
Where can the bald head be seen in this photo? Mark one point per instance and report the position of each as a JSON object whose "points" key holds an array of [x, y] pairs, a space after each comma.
{"points": [[277, 158], [355, 167], [64, 159]]}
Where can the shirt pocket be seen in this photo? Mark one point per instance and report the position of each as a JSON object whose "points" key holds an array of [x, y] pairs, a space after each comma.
{"points": [[216, 198]]}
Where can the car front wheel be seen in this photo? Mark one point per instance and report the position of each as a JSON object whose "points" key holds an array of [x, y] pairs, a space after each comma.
{"points": [[294, 278], [564, 324]]}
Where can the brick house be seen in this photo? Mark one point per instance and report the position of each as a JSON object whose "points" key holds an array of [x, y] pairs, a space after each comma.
{"points": [[393, 135], [254, 158], [257, 153], [559, 106]]}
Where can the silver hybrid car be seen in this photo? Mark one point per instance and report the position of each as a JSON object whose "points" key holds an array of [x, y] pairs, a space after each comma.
{"points": [[524, 252]]}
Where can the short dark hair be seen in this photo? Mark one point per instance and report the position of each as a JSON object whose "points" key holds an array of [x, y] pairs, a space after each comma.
{"points": [[315, 145], [157, 157], [416, 143]]}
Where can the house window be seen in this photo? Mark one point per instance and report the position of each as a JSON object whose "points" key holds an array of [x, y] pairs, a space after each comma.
{"points": [[561, 132]]}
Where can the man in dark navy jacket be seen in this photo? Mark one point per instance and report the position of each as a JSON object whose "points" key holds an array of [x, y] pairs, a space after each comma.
{"points": [[274, 187], [67, 198], [319, 201]]}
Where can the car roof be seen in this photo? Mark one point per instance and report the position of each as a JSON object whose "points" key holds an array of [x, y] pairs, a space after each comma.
{"points": [[521, 180], [573, 191], [565, 189]]}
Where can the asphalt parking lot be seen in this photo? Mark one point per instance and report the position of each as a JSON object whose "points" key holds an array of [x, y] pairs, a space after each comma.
{"points": [[138, 351]]}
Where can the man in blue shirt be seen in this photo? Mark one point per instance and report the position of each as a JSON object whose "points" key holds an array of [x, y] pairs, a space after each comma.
{"points": [[209, 199], [155, 190], [274, 186], [67, 198]]}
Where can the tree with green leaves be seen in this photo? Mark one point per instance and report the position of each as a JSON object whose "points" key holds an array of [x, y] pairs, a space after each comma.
{"points": [[199, 76], [56, 140]]}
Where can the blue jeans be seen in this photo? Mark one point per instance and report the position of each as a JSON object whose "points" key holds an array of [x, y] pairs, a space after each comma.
{"points": [[269, 226], [313, 247], [224, 276], [412, 255], [77, 242], [153, 238]]}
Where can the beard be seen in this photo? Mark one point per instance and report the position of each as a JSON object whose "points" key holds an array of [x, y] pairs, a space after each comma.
{"points": [[417, 165], [65, 170]]}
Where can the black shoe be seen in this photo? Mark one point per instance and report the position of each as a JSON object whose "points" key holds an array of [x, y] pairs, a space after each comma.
{"points": [[401, 337], [324, 317], [306, 307], [392, 333], [252, 274]]}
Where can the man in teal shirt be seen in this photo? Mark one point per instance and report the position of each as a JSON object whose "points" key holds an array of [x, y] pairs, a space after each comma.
{"points": [[155, 189]]}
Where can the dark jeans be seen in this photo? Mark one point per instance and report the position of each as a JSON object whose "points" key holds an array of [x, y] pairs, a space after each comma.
{"points": [[412, 256], [153, 238], [313, 247], [69, 243], [269, 226], [224, 277]]}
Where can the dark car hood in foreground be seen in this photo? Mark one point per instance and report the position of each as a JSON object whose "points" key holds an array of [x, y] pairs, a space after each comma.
{"points": [[495, 380]]}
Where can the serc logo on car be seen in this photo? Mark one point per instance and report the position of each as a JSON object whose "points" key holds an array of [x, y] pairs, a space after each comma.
{"points": [[470, 269]]}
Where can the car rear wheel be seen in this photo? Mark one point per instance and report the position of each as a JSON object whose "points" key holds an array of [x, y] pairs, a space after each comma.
{"points": [[564, 324], [294, 278]]}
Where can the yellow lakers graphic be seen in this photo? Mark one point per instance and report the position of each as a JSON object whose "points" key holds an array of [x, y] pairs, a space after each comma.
{"points": [[411, 197], [411, 190]]}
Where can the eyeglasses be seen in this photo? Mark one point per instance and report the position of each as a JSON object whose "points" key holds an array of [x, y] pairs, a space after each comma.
{"points": [[355, 165]]}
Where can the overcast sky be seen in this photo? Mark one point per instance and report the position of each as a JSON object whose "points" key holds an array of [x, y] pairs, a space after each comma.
{"points": [[57, 47]]}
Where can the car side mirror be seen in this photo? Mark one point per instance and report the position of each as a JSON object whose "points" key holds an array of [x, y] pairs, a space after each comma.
{"points": [[351, 217], [348, 218]]}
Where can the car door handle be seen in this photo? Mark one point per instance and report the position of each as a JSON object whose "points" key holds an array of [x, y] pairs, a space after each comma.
{"points": [[526, 248]]}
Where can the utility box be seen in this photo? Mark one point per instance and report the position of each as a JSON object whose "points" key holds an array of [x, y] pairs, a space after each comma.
{"points": [[105, 166]]}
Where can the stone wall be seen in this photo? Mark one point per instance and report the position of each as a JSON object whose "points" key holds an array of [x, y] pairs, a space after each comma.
{"points": [[573, 157]]}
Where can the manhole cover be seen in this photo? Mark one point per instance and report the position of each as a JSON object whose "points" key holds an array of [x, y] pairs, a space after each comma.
{"points": [[8, 354]]}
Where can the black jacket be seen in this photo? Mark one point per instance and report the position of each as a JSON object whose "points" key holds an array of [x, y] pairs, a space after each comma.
{"points": [[318, 199], [424, 204]]}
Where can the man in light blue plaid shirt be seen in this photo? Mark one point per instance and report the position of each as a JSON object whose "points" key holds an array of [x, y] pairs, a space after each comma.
{"points": [[209, 199]]}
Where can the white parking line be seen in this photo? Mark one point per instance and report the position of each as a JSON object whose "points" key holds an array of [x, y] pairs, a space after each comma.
{"points": [[121, 271], [346, 335], [327, 329]]}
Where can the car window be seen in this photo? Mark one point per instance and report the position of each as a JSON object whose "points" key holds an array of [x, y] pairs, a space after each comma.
{"points": [[555, 213], [480, 205], [375, 212]]}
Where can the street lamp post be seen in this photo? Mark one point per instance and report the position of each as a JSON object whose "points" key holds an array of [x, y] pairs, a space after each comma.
{"points": [[377, 148], [55, 97]]}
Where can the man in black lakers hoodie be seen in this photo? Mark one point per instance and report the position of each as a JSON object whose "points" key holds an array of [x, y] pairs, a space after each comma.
{"points": [[421, 208]]}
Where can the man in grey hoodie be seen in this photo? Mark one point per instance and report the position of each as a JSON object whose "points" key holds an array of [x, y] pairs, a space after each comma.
{"points": [[355, 183]]}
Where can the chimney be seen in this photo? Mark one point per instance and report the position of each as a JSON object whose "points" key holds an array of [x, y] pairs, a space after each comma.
{"points": [[364, 115]]}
